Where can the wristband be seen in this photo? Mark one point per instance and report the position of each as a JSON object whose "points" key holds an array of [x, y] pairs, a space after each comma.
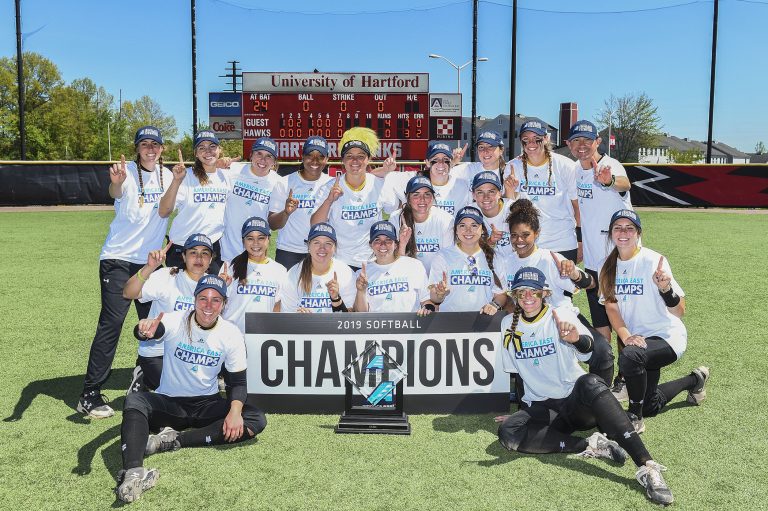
{"points": [[584, 344], [578, 233], [613, 182], [671, 299], [429, 307], [138, 276], [335, 300], [584, 280], [496, 304], [340, 307]]}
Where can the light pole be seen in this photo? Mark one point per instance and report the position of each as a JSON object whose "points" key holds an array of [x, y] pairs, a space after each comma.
{"points": [[458, 75]]}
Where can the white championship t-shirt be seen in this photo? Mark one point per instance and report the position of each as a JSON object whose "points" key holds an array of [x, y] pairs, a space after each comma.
{"points": [[318, 299], [353, 214], [264, 287], [499, 221], [642, 307], [137, 229], [193, 356], [248, 196], [431, 236], [451, 197], [291, 237], [400, 286], [470, 280], [548, 365], [467, 172], [168, 293], [596, 205], [201, 208], [552, 196]]}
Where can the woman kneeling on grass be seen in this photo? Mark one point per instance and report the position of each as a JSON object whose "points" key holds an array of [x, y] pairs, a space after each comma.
{"points": [[544, 346], [197, 345]]}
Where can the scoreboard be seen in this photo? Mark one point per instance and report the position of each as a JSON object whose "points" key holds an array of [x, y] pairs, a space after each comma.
{"points": [[400, 120]]}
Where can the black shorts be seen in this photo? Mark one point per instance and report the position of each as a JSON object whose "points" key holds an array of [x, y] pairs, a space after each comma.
{"points": [[596, 309]]}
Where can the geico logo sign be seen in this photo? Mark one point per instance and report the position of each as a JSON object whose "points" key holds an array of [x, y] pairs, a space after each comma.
{"points": [[225, 104], [223, 127]]}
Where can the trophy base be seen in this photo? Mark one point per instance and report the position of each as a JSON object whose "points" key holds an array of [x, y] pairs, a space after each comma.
{"points": [[372, 424]]}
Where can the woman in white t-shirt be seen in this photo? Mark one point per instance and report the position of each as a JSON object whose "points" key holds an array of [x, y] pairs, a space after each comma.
{"points": [[295, 198], [486, 191], [644, 304], [490, 155], [250, 192], [544, 345], [450, 193], [428, 228], [255, 282], [199, 194], [548, 180], [391, 283], [137, 229], [358, 200], [320, 283], [169, 289], [461, 277]]}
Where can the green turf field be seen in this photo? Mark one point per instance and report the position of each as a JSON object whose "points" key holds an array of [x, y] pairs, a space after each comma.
{"points": [[52, 458]]}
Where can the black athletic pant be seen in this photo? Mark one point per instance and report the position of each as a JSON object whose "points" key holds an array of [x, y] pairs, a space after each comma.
{"points": [[570, 254], [596, 310], [546, 427], [204, 414], [152, 369], [288, 259], [113, 274], [641, 368], [174, 257]]}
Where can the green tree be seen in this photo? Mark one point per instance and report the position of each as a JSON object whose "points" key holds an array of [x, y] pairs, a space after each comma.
{"points": [[144, 111], [634, 121], [760, 147], [685, 157]]}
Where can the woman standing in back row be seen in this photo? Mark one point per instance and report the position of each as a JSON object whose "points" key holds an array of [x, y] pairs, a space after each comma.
{"points": [[137, 229]]}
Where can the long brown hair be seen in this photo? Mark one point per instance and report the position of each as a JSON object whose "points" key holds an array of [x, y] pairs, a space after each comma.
{"points": [[240, 267], [608, 274], [547, 155], [305, 275], [200, 172]]}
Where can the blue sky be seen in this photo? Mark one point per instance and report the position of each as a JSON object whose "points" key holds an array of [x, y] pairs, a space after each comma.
{"points": [[567, 51]]}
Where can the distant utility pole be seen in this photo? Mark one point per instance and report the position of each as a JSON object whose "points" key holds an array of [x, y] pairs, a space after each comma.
{"points": [[233, 74], [194, 70], [474, 82], [712, 83], [20, 78]]}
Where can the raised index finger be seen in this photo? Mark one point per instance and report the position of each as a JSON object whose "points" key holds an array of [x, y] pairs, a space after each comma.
{"points": [[157, 320], [445, 278], [167, 247], [661, 262], [290, 193], [554, 257], [363, 268], [181, 157], [554, 315], [338, 176], [122, 162]]}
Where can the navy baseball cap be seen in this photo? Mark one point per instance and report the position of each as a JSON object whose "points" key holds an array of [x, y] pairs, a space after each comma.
{"points": [[148, 132], [535, 125], [418, 182], [468, 212], [490, 137], [211, 282], [529, 277], [436, 148], [203, 136], [322, 229], [318, 144], [198, 240], [383, 227], [255, 223], [265, 144], [628, 214], [583, 129], [355, 143], [486, 177]]}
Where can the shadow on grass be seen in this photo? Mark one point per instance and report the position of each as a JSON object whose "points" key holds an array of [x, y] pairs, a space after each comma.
{"points": [[466, 423], [502, 456], [67, 389]]}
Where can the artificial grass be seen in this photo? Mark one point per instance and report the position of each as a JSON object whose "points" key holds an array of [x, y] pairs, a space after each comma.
{"points": [[52, 458]]}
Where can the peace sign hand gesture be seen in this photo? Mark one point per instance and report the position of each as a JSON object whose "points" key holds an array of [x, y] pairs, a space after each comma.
{"points": [[179, 170], [224, 274], [568, 331], [117, 172], [661, 278]]}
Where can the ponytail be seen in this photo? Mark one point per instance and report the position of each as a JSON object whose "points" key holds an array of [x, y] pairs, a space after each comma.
{"points": [[240, 267], [407, 216], [305, 275], [200, 172], [608, 277]]}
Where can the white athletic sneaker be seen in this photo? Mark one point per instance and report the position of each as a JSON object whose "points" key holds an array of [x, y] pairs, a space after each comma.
{"points": [[619, 389], [599, 446], [93, 404], [135, 481], [698, 394], [637, 423], [649, 475]]}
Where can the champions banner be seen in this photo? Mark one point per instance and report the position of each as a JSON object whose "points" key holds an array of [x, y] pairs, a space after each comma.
{"points": [[452, 360]]}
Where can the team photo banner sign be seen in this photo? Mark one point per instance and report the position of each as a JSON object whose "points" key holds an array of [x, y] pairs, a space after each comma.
{"points": [[452, 360]]}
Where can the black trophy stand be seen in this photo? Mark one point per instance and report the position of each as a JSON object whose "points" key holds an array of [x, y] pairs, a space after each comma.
{"points": [[374, 419]]}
